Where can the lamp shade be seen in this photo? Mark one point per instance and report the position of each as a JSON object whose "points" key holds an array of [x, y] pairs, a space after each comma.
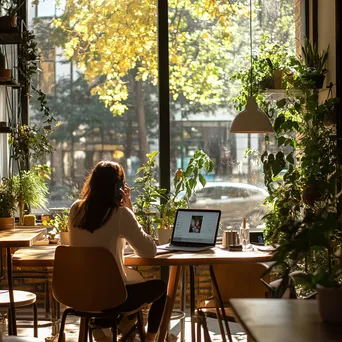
{"points": [[251, 120]]}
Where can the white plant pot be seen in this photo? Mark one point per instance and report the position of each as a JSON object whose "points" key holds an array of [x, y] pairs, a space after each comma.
{"points": [[164, 235], [64, 238], [330, 303]]}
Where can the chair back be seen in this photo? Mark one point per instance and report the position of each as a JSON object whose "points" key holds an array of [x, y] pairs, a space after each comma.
{"points": [[241, 280], [87, 279]]}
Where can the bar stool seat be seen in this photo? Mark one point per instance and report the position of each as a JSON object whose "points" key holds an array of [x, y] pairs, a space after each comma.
{"points": [[21, 299]]}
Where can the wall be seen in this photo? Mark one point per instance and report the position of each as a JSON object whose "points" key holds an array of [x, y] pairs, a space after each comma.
{"points": [[327, 35]]}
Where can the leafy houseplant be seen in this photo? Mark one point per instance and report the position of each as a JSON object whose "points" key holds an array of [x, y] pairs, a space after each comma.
{"points": [[30, 188], [8, 11], [7, 204], [314, 64], [302, 204], [60, 223], [154, 206]]}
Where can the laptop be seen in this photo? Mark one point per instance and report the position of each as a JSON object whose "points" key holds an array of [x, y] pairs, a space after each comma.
{"points": [[194, 230]]}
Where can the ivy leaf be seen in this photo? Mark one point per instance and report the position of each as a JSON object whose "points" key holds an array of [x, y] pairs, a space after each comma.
{"points": [[278, 122]]}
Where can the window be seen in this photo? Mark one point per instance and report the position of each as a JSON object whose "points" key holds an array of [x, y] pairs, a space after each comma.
{"points": [[115, 71]]}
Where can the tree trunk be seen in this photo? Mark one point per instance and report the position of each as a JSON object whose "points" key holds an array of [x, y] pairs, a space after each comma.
{"points": [[140, 113]]}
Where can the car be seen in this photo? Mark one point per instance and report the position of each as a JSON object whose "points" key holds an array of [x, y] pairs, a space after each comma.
{"points": [[235, 200]]}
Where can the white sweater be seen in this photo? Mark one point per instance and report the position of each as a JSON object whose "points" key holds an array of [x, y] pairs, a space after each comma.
{"points": [[120, 227]]}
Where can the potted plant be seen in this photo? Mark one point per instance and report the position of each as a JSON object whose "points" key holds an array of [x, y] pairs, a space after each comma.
{"points": [[154, 206], [30, 188], [8, 21], [313, 244], [60, 224], [7, 204], [29, 220], [313, 68], [271, 69]]}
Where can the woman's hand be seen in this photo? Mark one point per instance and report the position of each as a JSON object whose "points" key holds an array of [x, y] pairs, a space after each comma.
{"points": [[126, 197]]}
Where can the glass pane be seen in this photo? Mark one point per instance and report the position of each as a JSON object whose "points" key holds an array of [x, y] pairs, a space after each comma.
{"points": [[207, 46], [100, 74]]}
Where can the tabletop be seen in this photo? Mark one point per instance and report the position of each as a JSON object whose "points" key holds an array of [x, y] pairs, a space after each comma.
{"points": [[20, 237], [283, 320], [44, 256], [215, 255]]}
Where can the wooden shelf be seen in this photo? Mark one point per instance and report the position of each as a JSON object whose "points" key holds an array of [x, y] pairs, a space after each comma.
{"points": [[5, 130], [10, 37], [11, 84]]}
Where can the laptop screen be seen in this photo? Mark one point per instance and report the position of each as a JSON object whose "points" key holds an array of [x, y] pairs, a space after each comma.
{"points": [[196, 227]]}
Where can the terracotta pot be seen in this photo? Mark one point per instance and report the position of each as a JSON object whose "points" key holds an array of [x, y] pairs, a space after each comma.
{"points": [[330, 303], [278, 79], [164, 235], [6, 223], [64, 238]]}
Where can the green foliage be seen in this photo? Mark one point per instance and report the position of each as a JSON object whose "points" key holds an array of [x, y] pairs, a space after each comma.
{"points": [[149, 194], [185, 182], [313, 59], [11, 7], [152, 199], [59, 221], [7, 199], [271, 57], [29, 144], [30, 186], [301, 171]]}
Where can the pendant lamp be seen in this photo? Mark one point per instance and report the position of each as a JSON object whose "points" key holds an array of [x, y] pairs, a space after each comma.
{"points": [[252, 119]]}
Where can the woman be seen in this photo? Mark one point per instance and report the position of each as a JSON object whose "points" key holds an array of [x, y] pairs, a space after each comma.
{"points": [[104, 218]]}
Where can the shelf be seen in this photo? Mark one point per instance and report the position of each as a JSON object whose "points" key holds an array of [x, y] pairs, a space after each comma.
{"points": [[277, 94], [5, 130], [10, 37], [11, 84]]}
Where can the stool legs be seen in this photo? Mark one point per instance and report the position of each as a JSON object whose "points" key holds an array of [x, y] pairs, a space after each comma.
{"points": [[35, 320]]}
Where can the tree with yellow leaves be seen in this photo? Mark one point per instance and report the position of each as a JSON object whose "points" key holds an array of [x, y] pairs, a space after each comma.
{"points": [[111, 39], [114, 42]]}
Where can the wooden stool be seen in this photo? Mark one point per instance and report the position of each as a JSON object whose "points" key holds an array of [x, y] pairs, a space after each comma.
{"points": [[21, 298]]}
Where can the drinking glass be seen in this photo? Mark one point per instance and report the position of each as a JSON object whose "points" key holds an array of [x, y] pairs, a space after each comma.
{"points": [[244, 238]]}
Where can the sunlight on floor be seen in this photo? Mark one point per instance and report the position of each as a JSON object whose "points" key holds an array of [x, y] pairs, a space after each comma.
{"points": [[72, 327]]}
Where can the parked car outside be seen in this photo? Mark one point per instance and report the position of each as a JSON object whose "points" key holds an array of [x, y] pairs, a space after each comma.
{"points": [[235, 200]]}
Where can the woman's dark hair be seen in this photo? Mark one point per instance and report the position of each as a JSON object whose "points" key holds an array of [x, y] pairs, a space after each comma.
{"points": [[100, 196]]}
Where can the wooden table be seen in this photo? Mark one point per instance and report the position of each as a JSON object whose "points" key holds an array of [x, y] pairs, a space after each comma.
{"points": [[284, 320], [16, 238], [44, 256]]}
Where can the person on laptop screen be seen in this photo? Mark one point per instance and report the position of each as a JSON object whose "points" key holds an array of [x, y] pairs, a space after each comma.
{"points": [[104, 217], [196, 223]]}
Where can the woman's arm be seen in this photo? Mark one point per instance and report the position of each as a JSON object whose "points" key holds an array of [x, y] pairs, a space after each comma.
{"points": [[131, 230]]}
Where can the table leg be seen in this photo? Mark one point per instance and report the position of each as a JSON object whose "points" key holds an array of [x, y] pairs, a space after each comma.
{"points": [[170, 299], [192, 302], [12, 330], [219, 300], [183, 305]]}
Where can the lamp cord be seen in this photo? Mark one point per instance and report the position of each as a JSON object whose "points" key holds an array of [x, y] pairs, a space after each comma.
{"points": [[251, 45]]}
